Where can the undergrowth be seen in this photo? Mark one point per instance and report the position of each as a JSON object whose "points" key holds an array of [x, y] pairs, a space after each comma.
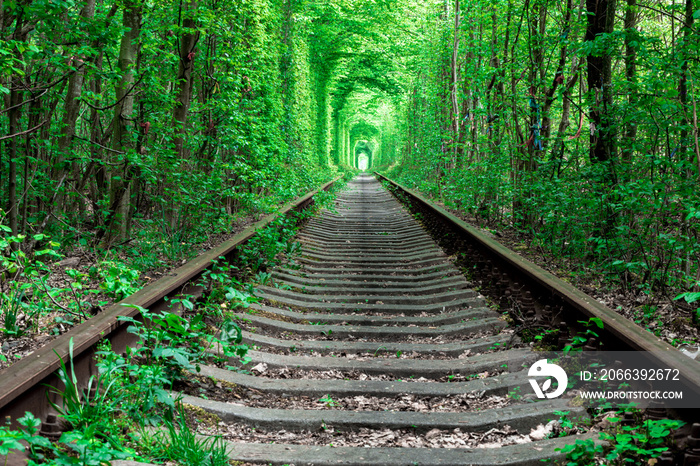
{"points": [[40, 295], [128, 410]]}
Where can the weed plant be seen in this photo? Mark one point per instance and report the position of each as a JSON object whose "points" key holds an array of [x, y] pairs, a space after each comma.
{"points": [[83, 446], [24, 294], [27, 295], [639, 443], [177, 442]]}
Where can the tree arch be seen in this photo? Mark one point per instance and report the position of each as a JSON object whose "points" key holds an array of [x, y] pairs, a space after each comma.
{"points": [[363, 137], [365, 148]]}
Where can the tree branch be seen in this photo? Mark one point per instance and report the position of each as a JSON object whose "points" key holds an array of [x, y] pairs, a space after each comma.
{"points": [[22, 133]]}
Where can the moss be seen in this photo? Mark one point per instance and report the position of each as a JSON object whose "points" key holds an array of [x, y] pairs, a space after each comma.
{"points": [[577, 401], [226, 385], [201, 416], [273, 316], [291, 307], [679, 324]]}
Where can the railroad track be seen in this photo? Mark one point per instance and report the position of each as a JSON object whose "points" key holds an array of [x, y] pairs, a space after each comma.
{"points": [[375, 339], [372, 348]]}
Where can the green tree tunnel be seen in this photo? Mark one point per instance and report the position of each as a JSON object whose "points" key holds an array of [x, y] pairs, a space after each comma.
{"points": [[574, 124]]}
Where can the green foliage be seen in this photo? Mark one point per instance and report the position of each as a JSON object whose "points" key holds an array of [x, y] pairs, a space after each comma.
{"points": [[583, 453], [581, 339], [501, 134], [142, 389], [515, 394], [631, 444], [85, 409], [328, 401], [135, 387], [88, 449], [690, 298], [23, 288], [15, 440], [179, 443], [178, 344], [264, 250], [11, 303], [119, 281], [544, 339], [78, 447], [219, 274], [247, 137], [239, 298], [641, 442]]}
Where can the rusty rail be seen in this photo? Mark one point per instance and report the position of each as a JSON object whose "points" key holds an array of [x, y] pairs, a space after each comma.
{"points": [[23, 385], [549, 291]]}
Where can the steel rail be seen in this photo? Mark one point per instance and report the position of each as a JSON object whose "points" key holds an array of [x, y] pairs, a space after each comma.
{"points": [[618, 332], [23, 385]]}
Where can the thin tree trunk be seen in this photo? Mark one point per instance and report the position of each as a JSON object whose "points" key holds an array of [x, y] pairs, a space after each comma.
{"points": [[683, 81], [631, 76], [537, 71], [188, 43], [454, 75], [557, 152], [71, 111], [13, 114], [558, 75], [183, 85], [601, 14], [122, 127]]}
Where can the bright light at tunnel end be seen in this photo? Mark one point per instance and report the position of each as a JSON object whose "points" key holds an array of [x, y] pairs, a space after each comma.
{"points": [[362, 162]]}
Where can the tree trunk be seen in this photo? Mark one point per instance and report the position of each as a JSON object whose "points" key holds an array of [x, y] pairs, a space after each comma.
{"points": [[96, 152], [13, 207], [322, 80], [14, 105], [557, 152], [558, 75], [122, 127], [631, 76], [71, 109], [188, 43], [454, 98], [683, 81], [601, 14], [537, 72]]}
